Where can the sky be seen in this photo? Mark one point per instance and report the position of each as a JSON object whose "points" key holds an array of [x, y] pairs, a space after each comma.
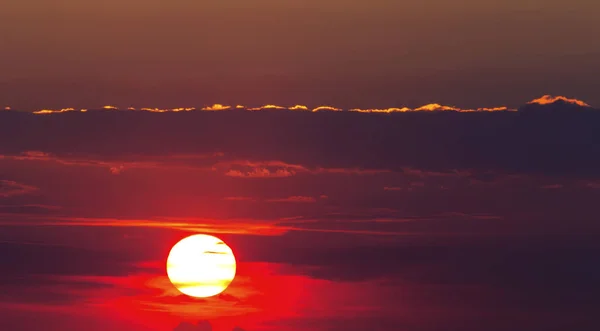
{"points": [[381, 53], [339, 220], [386, 165]]}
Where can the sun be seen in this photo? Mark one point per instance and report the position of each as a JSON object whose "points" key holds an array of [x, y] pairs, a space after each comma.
{"points": [[201, 266]]}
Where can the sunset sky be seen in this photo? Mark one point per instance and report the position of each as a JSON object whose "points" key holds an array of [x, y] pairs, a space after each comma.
{"points": [[398, 165], [155, 53]]}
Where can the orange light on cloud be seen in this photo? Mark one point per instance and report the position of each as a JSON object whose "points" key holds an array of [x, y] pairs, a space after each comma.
{"points": [[216, 107], [56, 111], [549, 99], [433, 107], [495, 109], [266, 107], [298, 107], [386, 110], [437, 107], [326, 108], [155, 110]]}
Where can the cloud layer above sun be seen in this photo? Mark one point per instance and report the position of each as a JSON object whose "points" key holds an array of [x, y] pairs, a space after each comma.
{"points": [[433, 107]]}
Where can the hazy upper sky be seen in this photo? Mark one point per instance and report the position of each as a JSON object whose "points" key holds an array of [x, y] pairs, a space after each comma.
{"points": [[352, 53]]}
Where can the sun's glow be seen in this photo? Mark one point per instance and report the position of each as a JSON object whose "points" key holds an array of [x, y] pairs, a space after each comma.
{"points": [[201, 266]]}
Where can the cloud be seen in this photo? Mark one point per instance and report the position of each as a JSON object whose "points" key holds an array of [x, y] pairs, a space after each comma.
{"points": [[433, 107], [35, 259], [28, 209], [549, 99], [280, 169], [295, 199], [187, 224], [216, 107], [239, 199], [382, 110], [317, 143], [437, 107], [260, 173], [552, 186], [326, 108], [593, 185], [200, 326], [199, 162], [53, 111], [264, 169], [534, 269], [548, 104], [9, 188]]}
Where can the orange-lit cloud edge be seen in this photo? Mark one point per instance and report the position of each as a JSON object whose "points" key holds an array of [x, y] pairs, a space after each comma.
{"points": [[433, 107]]}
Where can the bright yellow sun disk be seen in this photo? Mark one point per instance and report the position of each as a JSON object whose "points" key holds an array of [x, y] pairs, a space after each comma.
{"points": [[201, 266]]}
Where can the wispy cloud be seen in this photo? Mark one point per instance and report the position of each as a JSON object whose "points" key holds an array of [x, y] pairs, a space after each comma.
{"points": [[9, 188], [295, 199], [239, 199], [190, 224], [279, 169], [392, 188], [432, 107], [260, 173], [593, 184], [549, 99], [552, 186], [118, 165]]}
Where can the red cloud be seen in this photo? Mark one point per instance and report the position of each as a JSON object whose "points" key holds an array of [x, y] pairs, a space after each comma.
{"points": [[238, 199], [9, 188], [260, 173], [266, 169], [188, 224], [593, 185], [176, 161], [279, 169], [296, 198], [552, 187], [392, 188]]}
